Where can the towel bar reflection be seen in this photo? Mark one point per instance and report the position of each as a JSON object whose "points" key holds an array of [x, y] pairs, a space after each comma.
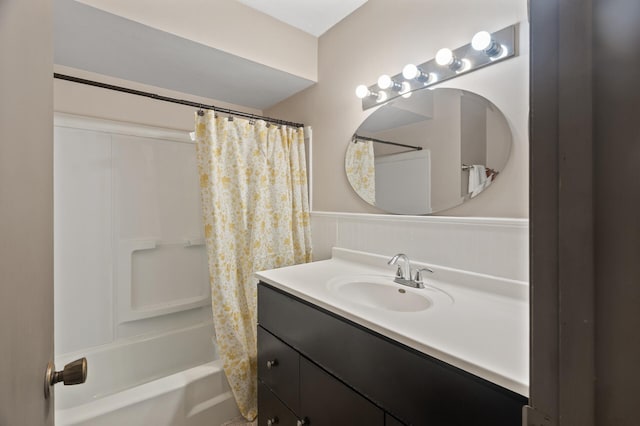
{"points": [[466, 167]]}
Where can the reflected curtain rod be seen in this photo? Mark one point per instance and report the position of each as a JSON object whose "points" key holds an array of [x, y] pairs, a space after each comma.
{"points": [[173, 100], [358, 137]]}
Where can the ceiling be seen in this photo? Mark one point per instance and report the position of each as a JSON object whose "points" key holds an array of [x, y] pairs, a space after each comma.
{"points": [[92, 39], [312, 16]]}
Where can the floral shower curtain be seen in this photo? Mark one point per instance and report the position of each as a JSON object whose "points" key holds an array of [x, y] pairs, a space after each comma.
{"points": [[361, 169], [253, 187]]}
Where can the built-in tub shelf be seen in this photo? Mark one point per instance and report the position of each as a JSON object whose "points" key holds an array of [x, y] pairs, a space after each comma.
{"points": [[137, 295], [318, 368]]}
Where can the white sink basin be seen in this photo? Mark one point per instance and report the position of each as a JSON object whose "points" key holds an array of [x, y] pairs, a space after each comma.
{"points": [[377, 291]]}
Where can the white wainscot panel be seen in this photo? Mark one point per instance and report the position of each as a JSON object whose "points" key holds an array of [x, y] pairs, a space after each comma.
{"points": [[493, 246], [82, 245]]}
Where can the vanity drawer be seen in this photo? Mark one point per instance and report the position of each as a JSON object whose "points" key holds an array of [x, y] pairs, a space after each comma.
{"points": [[324, 400], [412, 386], [271, 411], [278, 368]]}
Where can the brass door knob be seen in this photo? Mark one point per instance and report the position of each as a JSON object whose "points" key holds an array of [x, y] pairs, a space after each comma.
{"points": [[73, 373]]}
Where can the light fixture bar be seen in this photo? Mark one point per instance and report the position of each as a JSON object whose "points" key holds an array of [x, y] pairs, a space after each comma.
{"points": [[504, 39]]}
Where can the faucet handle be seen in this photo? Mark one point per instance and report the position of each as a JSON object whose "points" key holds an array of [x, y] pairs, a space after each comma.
{"points": [[399, 272], [403, 272], [418, 274]]}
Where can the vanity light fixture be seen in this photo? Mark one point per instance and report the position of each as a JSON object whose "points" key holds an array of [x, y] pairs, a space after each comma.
{"points": [[483, 42], [363, 92], [413, 72], [485, 49], [386, 82], [445, 57]]}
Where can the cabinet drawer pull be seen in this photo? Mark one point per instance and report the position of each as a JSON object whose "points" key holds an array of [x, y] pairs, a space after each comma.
{"points": [[302, 422], [272, 421], [272, 363]]}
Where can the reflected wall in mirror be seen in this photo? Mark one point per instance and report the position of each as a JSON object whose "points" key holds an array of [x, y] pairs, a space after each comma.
{"points": [[429, 152]]}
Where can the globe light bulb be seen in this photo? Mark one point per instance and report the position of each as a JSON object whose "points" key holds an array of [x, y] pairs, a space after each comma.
{"points": [[481, 40], [413, 72], [362, 91], [410, 71], [444, 56], [384, 81], [382, 96]]}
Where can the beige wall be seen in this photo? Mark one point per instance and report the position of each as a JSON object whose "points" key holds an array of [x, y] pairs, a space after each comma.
{"points": [[80, 99], [26, 211], [381, 37], [226, 25]]}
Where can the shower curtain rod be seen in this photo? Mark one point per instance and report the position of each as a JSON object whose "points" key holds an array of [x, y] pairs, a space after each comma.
{"points": [[356, 137], [174, 100]]}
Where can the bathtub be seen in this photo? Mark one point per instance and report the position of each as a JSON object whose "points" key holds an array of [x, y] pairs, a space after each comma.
{"points": [[129, 384]]}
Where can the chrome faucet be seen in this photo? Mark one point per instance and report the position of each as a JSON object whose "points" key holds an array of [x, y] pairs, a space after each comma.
{"points": [[404, 274]]}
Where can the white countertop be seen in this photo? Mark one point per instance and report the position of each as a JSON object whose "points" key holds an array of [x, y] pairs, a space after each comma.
{"points": [[485, 331]]}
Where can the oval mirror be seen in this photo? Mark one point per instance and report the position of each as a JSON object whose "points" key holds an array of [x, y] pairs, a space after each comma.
{"points": [[429, 152]]}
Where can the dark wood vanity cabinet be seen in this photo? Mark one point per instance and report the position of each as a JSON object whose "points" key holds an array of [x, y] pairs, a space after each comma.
{"points": [[290, 384], [324, 400], [279, 368], [317, 368], [272, 411]]}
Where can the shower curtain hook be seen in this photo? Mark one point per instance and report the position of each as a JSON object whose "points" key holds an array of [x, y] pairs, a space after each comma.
{"points": [[200, 111]]}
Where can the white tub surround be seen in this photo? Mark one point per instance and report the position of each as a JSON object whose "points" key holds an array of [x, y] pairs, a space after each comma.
{"points": [[128, 363], [485, 331], [199, 396], [131, 286]]}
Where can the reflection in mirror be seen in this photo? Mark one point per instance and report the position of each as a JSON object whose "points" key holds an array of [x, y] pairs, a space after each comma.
{"points": [[429, 152]]}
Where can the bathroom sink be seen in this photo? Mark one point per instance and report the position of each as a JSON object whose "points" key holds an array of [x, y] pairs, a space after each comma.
{"points": [[378, 291]]}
